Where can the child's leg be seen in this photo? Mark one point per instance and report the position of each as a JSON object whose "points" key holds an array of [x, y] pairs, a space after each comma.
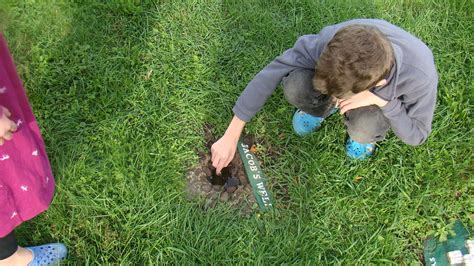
{"points": [[11, 253], [8, 246], [299, 91], [366, 124]]}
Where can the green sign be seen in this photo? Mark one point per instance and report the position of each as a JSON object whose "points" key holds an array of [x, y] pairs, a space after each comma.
{"points": [[454, 251], [256, 177]]}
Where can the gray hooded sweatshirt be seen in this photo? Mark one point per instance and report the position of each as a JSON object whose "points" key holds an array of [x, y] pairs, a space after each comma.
{"points": [[410, 90]]}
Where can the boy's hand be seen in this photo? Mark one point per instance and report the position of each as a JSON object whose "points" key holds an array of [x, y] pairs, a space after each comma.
{"points": [[360, 99], [223, 152], [7, 126]]}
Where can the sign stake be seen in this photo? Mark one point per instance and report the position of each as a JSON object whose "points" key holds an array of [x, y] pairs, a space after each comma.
{"points": [[257, 179]]}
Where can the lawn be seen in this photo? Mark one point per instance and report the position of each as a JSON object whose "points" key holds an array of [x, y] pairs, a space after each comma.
{"points": [[122, 93]]}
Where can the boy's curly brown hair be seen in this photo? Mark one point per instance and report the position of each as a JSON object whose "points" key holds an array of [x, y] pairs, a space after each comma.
{"points": [[355, 59]]}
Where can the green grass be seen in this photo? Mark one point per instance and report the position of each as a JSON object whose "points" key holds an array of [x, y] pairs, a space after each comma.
{"points": [[122, 92]]}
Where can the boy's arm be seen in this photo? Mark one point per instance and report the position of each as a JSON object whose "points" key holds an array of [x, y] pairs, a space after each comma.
{"points": [[302, 55], [252, 99], [411, 118]]}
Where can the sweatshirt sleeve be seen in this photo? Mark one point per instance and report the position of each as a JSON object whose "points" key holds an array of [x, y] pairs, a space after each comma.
{"points": [[252, 99], [410, 116]]}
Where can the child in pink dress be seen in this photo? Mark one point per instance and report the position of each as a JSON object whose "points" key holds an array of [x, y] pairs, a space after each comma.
{"points": [[26, 181]]}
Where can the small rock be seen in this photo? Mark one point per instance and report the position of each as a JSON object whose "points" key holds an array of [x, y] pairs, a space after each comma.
{"points": [[206, 187], [197, 171], [232, 182], [239, 191], [243, 179], [207, 171], [197, 186], [217, 188], [201, 173], [224, 196], [231, 189], [205, 179]]}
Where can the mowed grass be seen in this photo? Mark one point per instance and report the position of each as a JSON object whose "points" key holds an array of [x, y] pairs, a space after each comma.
{"points": [[122, 92]]}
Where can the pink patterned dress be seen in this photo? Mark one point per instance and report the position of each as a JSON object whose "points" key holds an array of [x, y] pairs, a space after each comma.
{"points": [[26, 180]]}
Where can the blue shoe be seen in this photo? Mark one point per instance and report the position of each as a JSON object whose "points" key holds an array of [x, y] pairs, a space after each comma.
{"points": [[304, 124], [48, 254], [359, 151]]}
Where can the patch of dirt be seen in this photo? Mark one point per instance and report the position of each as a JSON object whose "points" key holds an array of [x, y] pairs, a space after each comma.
{"points": [[231, 187]]}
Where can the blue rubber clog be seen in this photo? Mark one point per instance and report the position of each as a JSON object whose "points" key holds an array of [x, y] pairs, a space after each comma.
{"points": [[304, 124], [359, 151], [48, 254]]}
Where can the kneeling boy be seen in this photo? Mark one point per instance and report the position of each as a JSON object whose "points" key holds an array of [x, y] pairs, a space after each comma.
{"points": [[378, 76]]}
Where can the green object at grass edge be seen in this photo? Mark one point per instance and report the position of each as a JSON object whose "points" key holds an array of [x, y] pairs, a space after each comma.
{"points": [[257, 179], [436, 252]]}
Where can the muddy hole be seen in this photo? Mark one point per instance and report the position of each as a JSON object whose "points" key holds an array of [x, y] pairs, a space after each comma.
{"points": [[231, 188], [221, 179]]}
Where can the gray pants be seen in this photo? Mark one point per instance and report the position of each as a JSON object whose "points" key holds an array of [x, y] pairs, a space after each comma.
{"points": [[364, 125]]}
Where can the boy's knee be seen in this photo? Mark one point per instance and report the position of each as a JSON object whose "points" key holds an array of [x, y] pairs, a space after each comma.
{"points": [[366, 124], [296, 84]]}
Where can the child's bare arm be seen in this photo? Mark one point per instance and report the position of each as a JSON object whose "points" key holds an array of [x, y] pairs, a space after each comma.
{"points": [[223, 150], [7, 126], [361, 99]]}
